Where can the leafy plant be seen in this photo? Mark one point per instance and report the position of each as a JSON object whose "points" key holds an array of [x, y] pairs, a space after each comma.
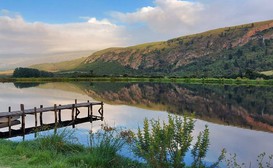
{"points": [[166, 145], [201, 147]]}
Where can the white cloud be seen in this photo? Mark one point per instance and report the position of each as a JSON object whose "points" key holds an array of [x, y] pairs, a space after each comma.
{"points": [[166, 16], [19, 36], [173, 18], [21, 40], [100, 22]]}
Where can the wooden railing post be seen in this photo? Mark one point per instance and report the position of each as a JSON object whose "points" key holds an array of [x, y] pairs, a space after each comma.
{"points": [[91, 112], [23, 118], [55, 114], [88, 109], [36, 121], [35, 114], [72, 114], [9, 122], [101, 111], [41, 116], [56, 119], [60, 115]]}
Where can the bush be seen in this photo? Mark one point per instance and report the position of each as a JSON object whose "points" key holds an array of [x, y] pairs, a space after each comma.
{"points": [[166, 145]]}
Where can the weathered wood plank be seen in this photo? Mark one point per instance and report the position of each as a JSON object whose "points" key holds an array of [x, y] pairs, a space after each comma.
{"points": [[48, 109], [16, 132]]}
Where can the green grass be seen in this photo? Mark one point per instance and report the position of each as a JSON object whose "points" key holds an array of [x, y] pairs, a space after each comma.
{"points": [[55, 151], [222, 81]]}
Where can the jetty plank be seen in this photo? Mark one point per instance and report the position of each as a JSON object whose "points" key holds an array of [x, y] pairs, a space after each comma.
{"points": [[48, 109]]}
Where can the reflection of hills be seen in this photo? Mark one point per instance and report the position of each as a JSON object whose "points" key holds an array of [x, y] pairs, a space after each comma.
{"points": [[249, 107], [65, 86]]}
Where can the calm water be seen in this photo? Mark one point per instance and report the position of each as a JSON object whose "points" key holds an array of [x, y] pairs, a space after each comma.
{"points": [[240, 118]]}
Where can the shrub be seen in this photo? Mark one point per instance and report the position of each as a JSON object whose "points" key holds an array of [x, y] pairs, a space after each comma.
{"points": [[166, 145]]}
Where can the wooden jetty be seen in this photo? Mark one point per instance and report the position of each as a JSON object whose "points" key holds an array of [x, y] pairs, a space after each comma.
{"points": [[9, 116], [15, 133]]}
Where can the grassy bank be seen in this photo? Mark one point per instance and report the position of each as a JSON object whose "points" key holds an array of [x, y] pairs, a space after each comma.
{"points": [[239, 81], [159, 144], [55, 151]]}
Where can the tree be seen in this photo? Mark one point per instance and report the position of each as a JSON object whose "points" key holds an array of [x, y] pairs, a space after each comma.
{"points": [[30, 73]]}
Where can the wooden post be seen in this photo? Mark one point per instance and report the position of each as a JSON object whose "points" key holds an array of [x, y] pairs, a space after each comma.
{"points": [[23, 118], [55, 114], [9, 122], [36, 122], [77, 113], [41, 116], [73, 110], [73, 116], [88, 109], [60, 115], [91, 112], [101, 111], [56, 119], [76, 110], [35, 114]]}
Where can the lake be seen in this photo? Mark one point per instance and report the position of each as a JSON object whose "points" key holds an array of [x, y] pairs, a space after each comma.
{"points": [[240, 118]]}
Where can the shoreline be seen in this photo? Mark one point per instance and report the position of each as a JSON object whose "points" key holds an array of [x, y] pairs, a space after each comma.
{"points": [[222, 81]]}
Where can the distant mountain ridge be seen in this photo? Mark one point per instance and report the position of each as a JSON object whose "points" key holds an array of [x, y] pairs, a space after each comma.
{"points": [[224, 52]]}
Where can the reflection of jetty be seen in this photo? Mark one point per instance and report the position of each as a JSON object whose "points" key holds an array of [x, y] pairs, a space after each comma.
{"points": [[8, 119]]}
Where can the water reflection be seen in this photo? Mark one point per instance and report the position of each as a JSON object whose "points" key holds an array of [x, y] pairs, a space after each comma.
{"points": [[127, 104], [21, 85], [244, 106]]}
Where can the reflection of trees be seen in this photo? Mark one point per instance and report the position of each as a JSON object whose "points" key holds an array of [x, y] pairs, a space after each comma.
{"points": [[25, 85], [249, 107]]}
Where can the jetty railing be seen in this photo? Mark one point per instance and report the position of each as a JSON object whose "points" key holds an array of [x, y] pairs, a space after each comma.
{"points": [[11, 116]]}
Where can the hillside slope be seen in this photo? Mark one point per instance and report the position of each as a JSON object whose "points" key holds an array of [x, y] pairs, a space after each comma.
{"points": [[60, 66], [224, 52]]}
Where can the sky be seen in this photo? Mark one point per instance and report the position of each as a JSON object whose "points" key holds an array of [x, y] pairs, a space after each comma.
{"points": [[36, 31]]}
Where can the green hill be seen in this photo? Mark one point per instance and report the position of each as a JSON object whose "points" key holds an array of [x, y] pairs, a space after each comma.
{"points": [[224, 52], [60, 66]]}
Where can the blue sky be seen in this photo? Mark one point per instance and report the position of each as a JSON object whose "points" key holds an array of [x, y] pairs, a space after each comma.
{"points": [[34, 30], [65, 11]]}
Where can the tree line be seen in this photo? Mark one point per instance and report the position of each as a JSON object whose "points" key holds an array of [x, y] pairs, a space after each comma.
{"points": [[30, 73]]}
